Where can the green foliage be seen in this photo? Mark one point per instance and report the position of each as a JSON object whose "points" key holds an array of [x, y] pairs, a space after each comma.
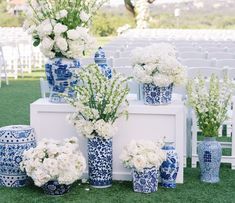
{"points": [[106, 24]]}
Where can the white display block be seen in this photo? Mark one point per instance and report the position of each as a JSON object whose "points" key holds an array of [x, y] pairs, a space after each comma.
{"points": [[145, 122]]}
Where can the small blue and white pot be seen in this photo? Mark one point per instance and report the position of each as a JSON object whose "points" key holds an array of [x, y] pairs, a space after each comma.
{"points": [[60, 75], [14, 140], [100, 162], [101, 61], [145, 181], [170, 167], [155, 95], [54, 188], [209, 154]]}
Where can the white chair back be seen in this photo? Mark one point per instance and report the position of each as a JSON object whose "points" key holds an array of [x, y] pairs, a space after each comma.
{"points": [[122, 62], [225, 62], [220, 55], [197, 62], [192, 55], [205, 72]]}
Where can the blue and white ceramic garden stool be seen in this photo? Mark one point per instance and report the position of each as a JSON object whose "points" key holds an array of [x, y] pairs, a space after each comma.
{"points": [[101, 61], [14, 140]]}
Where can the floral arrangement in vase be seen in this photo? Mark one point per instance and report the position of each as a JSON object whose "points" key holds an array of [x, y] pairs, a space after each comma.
{"points": [[158, 69], [54, 165], [210, 103], [145, 158], [98, 103], [61, 30]]}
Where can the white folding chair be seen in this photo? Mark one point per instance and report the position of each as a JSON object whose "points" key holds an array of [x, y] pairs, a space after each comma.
{"points": [[44, 86], [205, 72], [197, 62], [220, 55], [225, 62], [192, 55], [122, 62], [3, 71]]}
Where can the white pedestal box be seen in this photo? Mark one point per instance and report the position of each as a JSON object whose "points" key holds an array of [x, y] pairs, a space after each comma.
{"points": [[145, 122]]}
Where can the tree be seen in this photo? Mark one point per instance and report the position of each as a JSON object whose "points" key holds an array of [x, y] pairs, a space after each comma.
{"points": [[140, 10]]}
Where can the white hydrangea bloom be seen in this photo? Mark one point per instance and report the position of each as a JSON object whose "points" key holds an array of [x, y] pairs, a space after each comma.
{"points": [[59, 28], [143, 154], [84, 16], [53, 160]]}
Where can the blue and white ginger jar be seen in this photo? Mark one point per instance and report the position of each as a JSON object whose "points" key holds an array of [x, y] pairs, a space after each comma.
{"points": [[170, 167], [155, 95], [14, 140], [209, 154], [100, 162], [60, 75], [101, 61], [145, 181]]}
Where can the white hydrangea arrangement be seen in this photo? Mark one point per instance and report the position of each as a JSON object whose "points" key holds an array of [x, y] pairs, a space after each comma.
{"points": [[98, 102], [143, 154], [61, 27], [157, 64], [52, 160], [210, 103]]}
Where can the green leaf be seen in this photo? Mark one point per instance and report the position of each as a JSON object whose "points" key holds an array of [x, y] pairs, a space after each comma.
{"points": [[36, 42]]}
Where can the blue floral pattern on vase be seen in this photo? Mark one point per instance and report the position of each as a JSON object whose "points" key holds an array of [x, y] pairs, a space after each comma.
{"points": [[169, 168], [101, 61], [209, 154], [60, 76], [145, 181], [54, 188], [155, 95], [14, 140], [100, 160]]}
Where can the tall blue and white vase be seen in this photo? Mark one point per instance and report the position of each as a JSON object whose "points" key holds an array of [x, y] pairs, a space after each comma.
{"points": [[14, 140], [60, 75], [101, 61], [145, 181], [209, 154], [155, 95], [100, 162], [170, 167]]}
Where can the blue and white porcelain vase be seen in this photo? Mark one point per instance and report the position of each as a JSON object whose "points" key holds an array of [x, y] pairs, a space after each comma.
{"points": [[14, 140], [60, 75], [154, 95], [100, 162], [54, 188], [101, 61], [145, 181], [170, 167], [209, 154]]}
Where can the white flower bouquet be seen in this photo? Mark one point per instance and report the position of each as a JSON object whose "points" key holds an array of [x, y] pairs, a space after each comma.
{"points": [[143, 154], [98, 102], [157, 64], [54, 161], [61, 27], [210, 103]]}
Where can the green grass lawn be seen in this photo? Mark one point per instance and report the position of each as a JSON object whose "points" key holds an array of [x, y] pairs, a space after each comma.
{"points": [[14, 109]]}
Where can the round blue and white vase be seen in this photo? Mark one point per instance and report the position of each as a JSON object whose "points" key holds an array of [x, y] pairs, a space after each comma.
{"points": [[14, 140], [100, 162], [60, 76], [209, 154], [54, 188], [170, 167], [155, 95], [145, 181], [101, 61]]}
